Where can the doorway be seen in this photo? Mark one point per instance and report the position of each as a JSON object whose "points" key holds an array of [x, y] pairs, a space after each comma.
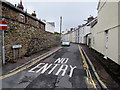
{"points": [[106, 44]]}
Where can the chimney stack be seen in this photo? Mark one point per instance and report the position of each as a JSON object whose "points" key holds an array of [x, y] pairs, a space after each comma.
{"points": [[20, 6], [34, 14]]}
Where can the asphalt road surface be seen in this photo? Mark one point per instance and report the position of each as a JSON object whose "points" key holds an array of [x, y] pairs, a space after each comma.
{"points": [[63, 69]]}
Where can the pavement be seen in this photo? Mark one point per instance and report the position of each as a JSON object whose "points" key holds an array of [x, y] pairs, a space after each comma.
{"points": [[99, 64], [61, 67], [21, 61]]}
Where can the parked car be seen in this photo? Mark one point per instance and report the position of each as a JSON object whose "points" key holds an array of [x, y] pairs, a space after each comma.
{"points": [[65, 43]]}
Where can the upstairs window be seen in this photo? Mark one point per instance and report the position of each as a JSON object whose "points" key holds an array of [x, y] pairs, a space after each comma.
{"points": [[21, 18]]}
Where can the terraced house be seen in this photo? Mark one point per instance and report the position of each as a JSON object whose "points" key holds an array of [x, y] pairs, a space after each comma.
{"points": [[105, 35], [102, 33]]}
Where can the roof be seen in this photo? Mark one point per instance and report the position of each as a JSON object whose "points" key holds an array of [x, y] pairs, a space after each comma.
{"points": [[4, 2], [92, 23]]}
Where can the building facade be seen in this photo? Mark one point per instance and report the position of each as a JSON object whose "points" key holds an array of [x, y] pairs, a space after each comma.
{"points": [[17, 13], [103, 32], [83, 32], [80, 34], [49, 27], [105, 35], [70, 35]]}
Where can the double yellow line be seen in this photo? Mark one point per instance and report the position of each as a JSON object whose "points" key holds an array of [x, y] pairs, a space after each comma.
{"points": [[86, 67], [29, 65]]}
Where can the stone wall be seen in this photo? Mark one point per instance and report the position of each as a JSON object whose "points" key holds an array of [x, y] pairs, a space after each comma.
{"points": [[26, 30], [31, 38]]}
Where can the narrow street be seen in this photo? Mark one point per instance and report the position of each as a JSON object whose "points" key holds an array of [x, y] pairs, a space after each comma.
{"points": [[63, 69], [59, 44]]}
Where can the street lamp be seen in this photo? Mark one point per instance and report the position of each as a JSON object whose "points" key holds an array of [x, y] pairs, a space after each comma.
{"points": [[60, 25]]}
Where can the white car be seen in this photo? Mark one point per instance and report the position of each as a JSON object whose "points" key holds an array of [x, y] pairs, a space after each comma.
{"points": [[65, 43]]}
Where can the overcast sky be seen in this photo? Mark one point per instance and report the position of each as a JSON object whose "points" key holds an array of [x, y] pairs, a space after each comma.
{"points": [[73, 13]]}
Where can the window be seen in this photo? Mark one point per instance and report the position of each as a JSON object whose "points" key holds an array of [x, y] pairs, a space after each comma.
{"points": [[21, 18], [26, 19], [93, 40], [83, 30], [106, 32]]}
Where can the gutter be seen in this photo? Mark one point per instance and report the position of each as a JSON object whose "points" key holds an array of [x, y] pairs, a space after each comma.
{"points": [[93, 69]]}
